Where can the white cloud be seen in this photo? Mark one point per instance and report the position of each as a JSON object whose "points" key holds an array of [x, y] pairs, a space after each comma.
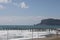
{"points": [[2, 7], [23, 5], [20, 19], [5, 1]]}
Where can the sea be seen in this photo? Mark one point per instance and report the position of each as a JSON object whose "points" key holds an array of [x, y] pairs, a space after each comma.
{"points": [[25, 34]]}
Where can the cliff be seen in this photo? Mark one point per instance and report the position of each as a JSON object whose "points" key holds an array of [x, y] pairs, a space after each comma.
{"points": [[49, 22]]}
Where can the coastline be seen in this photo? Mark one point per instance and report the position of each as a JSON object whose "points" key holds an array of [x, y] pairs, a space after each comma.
{"points": [[27, 35], [53, 37]]}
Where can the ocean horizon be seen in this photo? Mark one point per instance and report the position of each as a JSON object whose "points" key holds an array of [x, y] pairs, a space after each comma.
{"points": [[25, 27]]}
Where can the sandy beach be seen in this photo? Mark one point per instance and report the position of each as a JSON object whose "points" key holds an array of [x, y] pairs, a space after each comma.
{"points": [[53, 37]]}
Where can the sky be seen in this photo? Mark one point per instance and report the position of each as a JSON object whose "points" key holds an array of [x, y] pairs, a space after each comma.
{"points": [[28, 12]]}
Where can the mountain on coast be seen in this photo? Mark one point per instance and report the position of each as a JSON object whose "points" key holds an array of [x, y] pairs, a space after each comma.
{"points": [[49, 21]]}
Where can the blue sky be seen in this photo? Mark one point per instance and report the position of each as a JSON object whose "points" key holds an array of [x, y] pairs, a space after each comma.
{"points": [[22, 12]]}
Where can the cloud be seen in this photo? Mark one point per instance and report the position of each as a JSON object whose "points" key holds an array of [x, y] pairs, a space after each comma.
{"points": [[5, 1], [22, 20], [2, 7], [23, 5]]}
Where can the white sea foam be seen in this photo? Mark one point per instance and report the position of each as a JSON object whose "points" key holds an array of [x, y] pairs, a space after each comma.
{"points": [[23, 34]]}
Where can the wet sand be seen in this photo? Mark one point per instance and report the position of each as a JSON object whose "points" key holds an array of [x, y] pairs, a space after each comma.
{"points": [[53, 37]]}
